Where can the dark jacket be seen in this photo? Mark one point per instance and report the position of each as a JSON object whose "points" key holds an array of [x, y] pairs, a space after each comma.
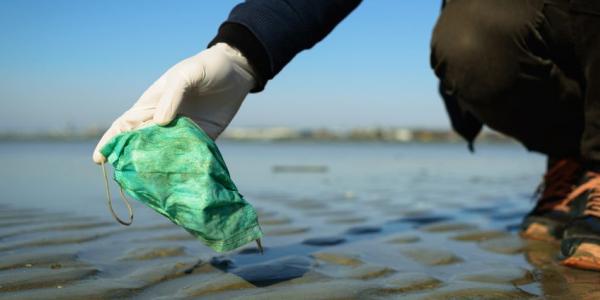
{"points": [[271, 32]]}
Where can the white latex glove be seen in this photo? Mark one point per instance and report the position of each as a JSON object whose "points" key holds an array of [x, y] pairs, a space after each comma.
{"points": [[208, 87]]}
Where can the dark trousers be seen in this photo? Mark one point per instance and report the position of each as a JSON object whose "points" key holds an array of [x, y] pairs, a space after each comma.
{"points": [[527, 68]]}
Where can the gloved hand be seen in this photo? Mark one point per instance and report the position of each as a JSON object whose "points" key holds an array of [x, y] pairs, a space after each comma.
{"points": [[208, 88]]}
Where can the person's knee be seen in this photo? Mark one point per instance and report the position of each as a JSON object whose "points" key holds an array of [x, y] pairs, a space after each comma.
{"points": [[475, 45]]}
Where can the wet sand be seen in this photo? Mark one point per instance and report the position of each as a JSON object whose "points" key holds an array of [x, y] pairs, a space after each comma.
{"points": [[382, 222], [314, 250]]}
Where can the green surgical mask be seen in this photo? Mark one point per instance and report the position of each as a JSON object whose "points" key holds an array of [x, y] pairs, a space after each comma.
{"points": [[178, 171]]}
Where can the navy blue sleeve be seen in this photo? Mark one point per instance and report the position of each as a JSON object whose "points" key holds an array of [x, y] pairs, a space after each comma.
{"points": [[271, 32]]}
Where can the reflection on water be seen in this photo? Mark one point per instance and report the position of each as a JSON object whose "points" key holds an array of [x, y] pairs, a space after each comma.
{"points": [[421, 176], [368, 220]]}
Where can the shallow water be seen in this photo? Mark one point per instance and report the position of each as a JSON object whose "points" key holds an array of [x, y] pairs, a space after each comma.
{"points": [[364, 220]]}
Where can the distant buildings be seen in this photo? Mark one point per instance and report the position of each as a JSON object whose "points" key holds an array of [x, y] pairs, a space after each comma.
{"points": [[400, 135], [365, 134], [271, 133]]}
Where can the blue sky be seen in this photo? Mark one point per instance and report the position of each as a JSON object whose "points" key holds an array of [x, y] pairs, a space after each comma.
{"points": [[82, 63]]}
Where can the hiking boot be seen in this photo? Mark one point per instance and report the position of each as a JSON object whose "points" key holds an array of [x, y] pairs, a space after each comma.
{"points": [[580, 246], [550, 215]]}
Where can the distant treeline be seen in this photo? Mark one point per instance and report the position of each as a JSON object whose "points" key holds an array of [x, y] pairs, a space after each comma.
{"points": [[286, 134]]}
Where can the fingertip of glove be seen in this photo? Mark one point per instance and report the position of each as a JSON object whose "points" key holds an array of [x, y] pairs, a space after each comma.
{"points": [[98, 158]]}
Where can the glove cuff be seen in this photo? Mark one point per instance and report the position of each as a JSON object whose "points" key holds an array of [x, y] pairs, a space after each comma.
{"points": [[242, 39], [238, 58]]}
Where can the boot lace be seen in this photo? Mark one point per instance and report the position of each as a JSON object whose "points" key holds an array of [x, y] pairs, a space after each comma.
{"points": [[592, 207]]}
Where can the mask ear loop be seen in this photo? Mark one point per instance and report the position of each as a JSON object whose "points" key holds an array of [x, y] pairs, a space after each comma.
{"points": [[109, 200]]}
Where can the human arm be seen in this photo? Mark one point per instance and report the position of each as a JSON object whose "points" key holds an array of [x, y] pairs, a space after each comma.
{"points": [[257, 40]]}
